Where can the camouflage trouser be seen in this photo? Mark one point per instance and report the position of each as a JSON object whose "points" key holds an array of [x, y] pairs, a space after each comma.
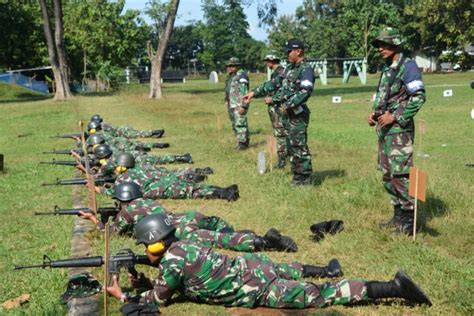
{"points": [[280, 130], [173, 188], [239, 125], [130, 132], [396, 158], [156, 160], [283, 293], [211, 231], [300, 156]]}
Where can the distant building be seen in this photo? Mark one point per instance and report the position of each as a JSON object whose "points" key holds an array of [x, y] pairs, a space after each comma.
{"points": [[424, 62]]}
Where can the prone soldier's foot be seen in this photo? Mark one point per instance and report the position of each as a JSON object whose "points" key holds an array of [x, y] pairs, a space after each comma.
{"points": [[332, 270], [299, 180], [274, 240], [186, 158], [157, 133], [207, 170], [242, 146]]}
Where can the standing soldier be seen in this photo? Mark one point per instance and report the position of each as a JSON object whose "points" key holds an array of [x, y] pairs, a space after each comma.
{"points": [[291, 99], [400, 95], [278, 119], [236, 86]]}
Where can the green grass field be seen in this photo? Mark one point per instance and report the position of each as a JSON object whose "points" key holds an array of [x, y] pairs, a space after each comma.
{"points": [[347, 186]]}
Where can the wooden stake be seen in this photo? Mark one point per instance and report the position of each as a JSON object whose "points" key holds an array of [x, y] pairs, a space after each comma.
{"points": [[416, 205], [106, 264], [417, 190]]}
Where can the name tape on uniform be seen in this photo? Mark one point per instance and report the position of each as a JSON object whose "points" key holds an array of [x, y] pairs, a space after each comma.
{"points": [[336, 99], [448, 93]]}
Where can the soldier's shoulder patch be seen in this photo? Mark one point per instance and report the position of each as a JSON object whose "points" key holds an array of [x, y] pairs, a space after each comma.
{"points": [[412, 77]]}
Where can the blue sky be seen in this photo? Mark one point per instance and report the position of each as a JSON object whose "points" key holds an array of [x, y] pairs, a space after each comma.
{"points": [[191, 10]]}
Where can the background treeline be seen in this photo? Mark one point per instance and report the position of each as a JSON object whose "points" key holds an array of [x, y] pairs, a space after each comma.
{"points": [[102, 37]]}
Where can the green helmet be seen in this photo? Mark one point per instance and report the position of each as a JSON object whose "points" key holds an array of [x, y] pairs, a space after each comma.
{"points": [[94, 125], [97, 118], [233, 61], [127, 191], [153, 228], [102, 151], [95, 139], [125, 160], [388, 35], [272, 56]]}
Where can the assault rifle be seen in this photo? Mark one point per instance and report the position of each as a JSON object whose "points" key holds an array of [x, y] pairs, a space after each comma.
{"points": [[105, 212], [81, 181], [78, 135], [64, 152], [125, 258], [93, 162]]}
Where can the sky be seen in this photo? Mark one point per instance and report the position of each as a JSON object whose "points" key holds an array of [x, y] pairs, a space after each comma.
{"points": [[190, 10]]}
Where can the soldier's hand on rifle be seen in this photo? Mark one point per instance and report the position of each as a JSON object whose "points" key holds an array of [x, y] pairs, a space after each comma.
{"points": [[115, 290], [226, 103], [88, 216], [75, 155], [248, 97], [98, 189], [370, 119], [386, 119], [77, 139], [140, 282], [268, 100]]}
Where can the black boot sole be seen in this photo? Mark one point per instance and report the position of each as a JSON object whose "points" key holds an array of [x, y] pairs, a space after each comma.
{"points": [[409, 290]]}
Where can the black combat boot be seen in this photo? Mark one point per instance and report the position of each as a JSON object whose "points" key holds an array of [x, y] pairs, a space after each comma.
{"points": [[274, 240], [186, 158], [405, 224], [332, 227], [300, 180], [207, 170], [281, 161], [332, 270], [395, 220], [160, 145], [142, 147], [242, 146], [401, 286], [193, 177], [231, 193], [157, 133]]}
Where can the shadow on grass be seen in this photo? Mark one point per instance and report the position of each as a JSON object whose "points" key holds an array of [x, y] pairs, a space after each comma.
{"points": [[432, 208], [26, 97], [319, 177], [255, 131], [98, 94]]}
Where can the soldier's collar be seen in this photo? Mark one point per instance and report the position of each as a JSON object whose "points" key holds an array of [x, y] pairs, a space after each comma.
{"points": [[395, 63]]}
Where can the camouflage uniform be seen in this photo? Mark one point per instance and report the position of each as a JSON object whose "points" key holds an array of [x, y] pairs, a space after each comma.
{"points": [[278, 119], [125, 131], [236, 86], [166, 186], [395, 141], [250, 280], [210, 231], [296, 89]]}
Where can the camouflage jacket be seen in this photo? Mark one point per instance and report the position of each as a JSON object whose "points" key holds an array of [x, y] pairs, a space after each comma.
{"points": [[269, 87], [236, 86], [141, 177], [407, 95], [203, 275], [131, 213], [296, 88]]}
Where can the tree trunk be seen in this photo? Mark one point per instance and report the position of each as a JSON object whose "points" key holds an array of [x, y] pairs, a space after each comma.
{"points": [[56, 53], [157, 58]]}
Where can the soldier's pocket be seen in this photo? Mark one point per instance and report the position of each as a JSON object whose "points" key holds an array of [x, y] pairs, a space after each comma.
{"points": [[401, 153]]}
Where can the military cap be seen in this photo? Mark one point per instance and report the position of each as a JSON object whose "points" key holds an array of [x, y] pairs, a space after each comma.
{"points": [[294, 43], [233, 61], [388, 35], [272, 56]]}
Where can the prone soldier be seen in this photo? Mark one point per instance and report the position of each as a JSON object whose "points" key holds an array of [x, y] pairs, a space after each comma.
{"points": [[250, 280]]}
